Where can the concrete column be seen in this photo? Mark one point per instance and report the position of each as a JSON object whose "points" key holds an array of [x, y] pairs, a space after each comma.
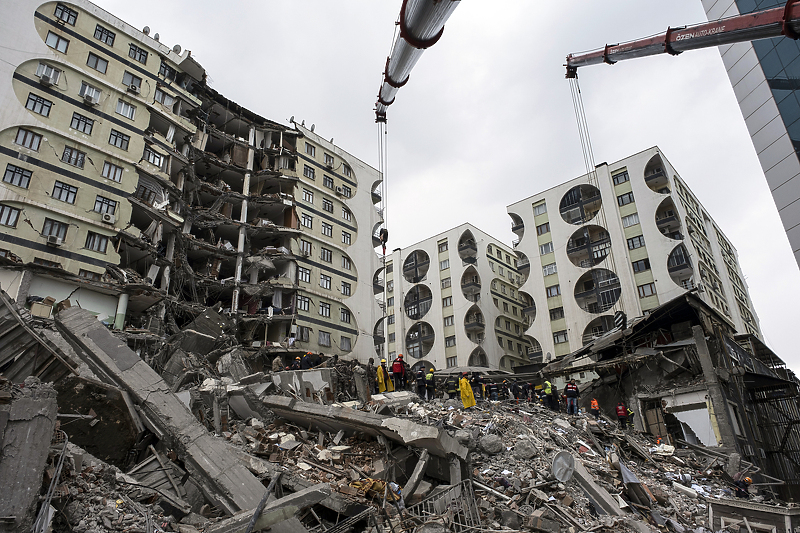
{"points": [[165, 276], [243, 219], [122, 309], [718, 402]]}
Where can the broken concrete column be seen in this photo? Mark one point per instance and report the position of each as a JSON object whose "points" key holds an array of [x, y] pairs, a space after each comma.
{"points": [[362, 384], [416, 475], [26, 429], [718, 402], [599, 496]]}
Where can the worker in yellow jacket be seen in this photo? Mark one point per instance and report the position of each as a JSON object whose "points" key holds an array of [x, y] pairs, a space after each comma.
{"points": [[384, 381], [467, 398]]}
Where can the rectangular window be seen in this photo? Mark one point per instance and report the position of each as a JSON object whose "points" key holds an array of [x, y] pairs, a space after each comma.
{"points": [[81, 123], [325, 309], [324, 281], [625, 199], [620, 177], [304, 274], [89, 91], [347, 171], [326, 255], [17, 176], [166, 71], [308, 172], [112, 171], [444, 265], [445, 282], [391, 337], [311, 149], [119, 139], [344, 315], [346, 264], [449, 321], [145, 194], [152, 157], [53, 228], [98, 63], [302, 303], [543, 228], [324, 338], [549, 269], [105, 205], [139, 54], [560, 337], [346, 237], [344, 344], [56, 42], [9, 216], [553, 291], [308, 196], [103, 35], [447, 301], [305, 247], [390, 286], [450, 341], [540, 209], [327, 181], [346, 214], [452, 361], [546, 248], [28, 139], [346, 288], [347, 192], [557, 313], [46, 71], [327, 229], [648, 289], [164, 98], [39, 105], [641, 265], [327, 205], [329, 160], [126, 110], [442, 246], [96, 242], [88, 274], [64, 192], [302, 333], [131, 80], [66, 14], [501, 270], [307, 220], [635, 242], [630, 220]]}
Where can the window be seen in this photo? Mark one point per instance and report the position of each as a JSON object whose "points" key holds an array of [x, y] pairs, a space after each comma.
{"points": [[540, 209], [327, 205], [118, 139], [442, 246], [625, 199], [17, 176], [308, 172], [327, 181], [344, 315], [447, 301], [304, 274], [90, 91], [302, 303], [344, 344], [445, 282], [346, 214], [131, 80], [503, 289], [166, 71], [324, 281], [52, 73], [105, 205], [557, 313], [311, 150], [88, 274], [449, 321], [560, 337], [452, 361], [491, 265], [346, 288], [112, 171], [39, 105], [305, 247], [53, 228], [347, 171], [104, 35], [543, 228], [648, 289], [553, 290], [630, 220], [329, 160], [324, 338], [346, 238], [64, 192], [635, 242], [56, 42], [391, 337], [450, 341], [499, 253], [325, 309], [126, 110], [505, 306], [347, 192], [620, 177], [81, 123], [390, 285], [549, 269], [139, 54], [444, 265], [326, 255], [307, 220], [96, 242], [98, 63], [9, 216], [346, 264], [327, 229], [145, 194], [302, 333], [546, 248], [151, 156], [66, 14], [28, 139], [164, 98], [308, 196], [641, 265], [390, 301], [501, 270]]}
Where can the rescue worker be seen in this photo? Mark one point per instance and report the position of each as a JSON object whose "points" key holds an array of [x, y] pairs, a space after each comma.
{"points": [[594, 408], [451, 387], [492, 391], [516, 390], [742, 487], [307, 361], [430, 385], [399, 373], [467, 398], [477, 385], [421, 383], [555, 399], [547, 389], [622, 415], [631, 416], [372, 377], [277, 364], [572, 393], [384, 380], [296, 364]]}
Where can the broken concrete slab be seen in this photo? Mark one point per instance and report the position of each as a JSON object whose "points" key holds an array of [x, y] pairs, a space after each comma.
{"points": [[596, 493], [222, 478], [308, 385]]}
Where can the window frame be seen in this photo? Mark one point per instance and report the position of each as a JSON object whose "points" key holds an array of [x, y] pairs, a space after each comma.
{"points": [[105, 205], [69, 192], [81, 123], [644, 288], [7, 213], [50, 225], [327, 229], [347, 289], [308, 172], [325, 254], [96, 242], [325, 309], [123, 139], [14, 173], [110, 171], [306, 220], [74, 157], [553, 291], [105, 35], [38, 104], [637, 241], [625, 198], [137, 53], [620, 177], [123, 106], [58, 41], [325, 281], [543, 229], [70, 14], [29, 139], [347, 238], [100, 64], [303, 274]]}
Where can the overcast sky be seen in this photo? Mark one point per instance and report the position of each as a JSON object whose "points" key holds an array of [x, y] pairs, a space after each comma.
{"points": [[487, 118]]}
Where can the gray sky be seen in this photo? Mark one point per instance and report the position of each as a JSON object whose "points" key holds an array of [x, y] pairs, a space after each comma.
{"points": [[487, 118]]}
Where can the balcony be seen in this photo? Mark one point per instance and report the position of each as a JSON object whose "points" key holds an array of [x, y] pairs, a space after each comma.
{"points": [[530, 310], [654, 176], [675, 268], [666, 221], [523, 264], [377, 288], [474, 324], [376, 196], [517, 227], [470, 287]]}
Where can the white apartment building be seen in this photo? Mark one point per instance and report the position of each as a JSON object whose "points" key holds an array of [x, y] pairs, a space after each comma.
{"points": [[453, 300], [627, 238]]}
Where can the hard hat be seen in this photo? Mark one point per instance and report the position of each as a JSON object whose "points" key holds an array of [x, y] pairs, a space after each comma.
{"points": [[399, 356], [431, 370], [748, 480], [298, 357], [383, 360]]}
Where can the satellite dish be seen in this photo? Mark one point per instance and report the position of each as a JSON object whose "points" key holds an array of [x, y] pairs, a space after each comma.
{"points": [[146, 30], [312, 127], [156, 37], [176, 49], [292, 119], [563, 466]]}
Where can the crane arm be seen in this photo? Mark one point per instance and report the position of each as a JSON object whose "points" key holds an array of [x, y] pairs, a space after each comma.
{"points": [[753, 26]]}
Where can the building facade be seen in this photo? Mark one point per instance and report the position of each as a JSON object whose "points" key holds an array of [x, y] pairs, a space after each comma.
{"points": [[626, 238], [133, 189], [764, 76], [453, 300]]}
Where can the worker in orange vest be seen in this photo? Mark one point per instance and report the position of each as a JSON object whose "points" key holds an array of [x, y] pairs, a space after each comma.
{"points": [[594, 408]]}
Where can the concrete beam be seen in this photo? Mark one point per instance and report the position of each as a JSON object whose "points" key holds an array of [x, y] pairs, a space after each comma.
{"points": [[598, 494], [416, 476]]}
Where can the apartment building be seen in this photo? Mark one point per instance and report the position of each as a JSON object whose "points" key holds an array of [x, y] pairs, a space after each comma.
{"points": [[626, 238], [132, 188], [453, 300]]}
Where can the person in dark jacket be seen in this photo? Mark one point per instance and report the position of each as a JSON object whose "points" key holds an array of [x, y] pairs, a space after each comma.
{"points": [[451, 387], [430, 385], [421, 383], [307, 361], [296, 364], [493, 391], [477, 385], [572, 393]]}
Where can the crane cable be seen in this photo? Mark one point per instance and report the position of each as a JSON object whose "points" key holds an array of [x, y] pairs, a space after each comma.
{"points": [[383, 156], [591, 173]]}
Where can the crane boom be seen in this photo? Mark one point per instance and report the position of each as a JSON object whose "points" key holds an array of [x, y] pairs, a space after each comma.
{"points": [[759, 25]]}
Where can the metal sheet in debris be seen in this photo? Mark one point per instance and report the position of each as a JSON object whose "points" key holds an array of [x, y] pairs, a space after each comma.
{"points": [[563, 466]]}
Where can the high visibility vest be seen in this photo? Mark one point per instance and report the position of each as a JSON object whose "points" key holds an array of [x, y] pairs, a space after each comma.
{"points": [[595, 405], [548, 387]]}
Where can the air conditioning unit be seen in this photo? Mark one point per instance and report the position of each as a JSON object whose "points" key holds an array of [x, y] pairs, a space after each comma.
{"points": [[90, 99], [52, 240], [108, 218], [133, 89], [46, 80], [339, 191], [329, 166]]}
